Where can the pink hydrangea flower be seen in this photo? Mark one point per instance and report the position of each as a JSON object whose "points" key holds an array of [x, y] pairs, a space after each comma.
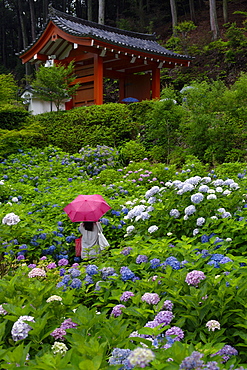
{"points": [[151, 298], [37, 272]]}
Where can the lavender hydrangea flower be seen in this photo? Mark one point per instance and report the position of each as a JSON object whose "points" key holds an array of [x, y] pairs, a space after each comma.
{"points": [[151, 298], [126, 251], [194, 277], [152, 229], [227, 351], [20, 328], [126, 296], [141, 258], [74, 272], [164, 317], [51, 265], [141, 357], [175, 330], [118, 357], [174, 213], [190, 210], [92, 270], [2, 310], [107, 271], [192, 362], [197, 198], [117, 310], [200, 221]]}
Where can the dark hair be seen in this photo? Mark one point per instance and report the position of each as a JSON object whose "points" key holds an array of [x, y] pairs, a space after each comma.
{"points": [[88, 225]]}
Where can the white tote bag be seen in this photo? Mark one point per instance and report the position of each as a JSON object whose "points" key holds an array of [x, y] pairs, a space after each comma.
{"points": [[103, 243]]}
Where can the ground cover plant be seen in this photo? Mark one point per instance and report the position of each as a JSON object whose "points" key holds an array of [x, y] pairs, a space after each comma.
{"points": [[169, 292]]}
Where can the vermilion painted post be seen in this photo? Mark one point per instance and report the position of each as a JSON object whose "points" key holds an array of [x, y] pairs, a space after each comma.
{"points": [[98, 79], [155, 83]]}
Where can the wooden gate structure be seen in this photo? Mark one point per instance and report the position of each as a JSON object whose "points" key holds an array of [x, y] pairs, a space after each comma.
{"points": [[100, 51]]}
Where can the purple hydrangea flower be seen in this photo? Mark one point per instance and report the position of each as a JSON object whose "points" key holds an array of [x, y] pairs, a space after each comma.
{"points": [[126, 295], [58, 333], [175, 330], [168, 305], [141, 258], [151, 298], [68, 324], [63, 262], [164, 317], [194, 277], [51, 265], [117, 310], [126, 251]]}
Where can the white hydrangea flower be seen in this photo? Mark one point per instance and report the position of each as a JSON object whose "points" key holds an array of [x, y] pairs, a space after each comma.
{"points": [[168, 184], [186, 217], [218, 182], [228, 239], [2, 182], [211, 191], [226, 215], [212, 325], [59, 347], [15, 200], [187, 187], [228, 181], [226, 192], [234, 186], [214, 218], [211, 196], [11, 219], [54, 298], [129, 229]]}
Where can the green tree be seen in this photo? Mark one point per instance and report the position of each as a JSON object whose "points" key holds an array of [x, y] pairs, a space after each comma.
{"points": [[54, 83], [8, 88]]}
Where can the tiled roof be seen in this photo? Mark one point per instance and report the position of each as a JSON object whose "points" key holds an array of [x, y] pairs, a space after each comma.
{"points": [[132, 40]]}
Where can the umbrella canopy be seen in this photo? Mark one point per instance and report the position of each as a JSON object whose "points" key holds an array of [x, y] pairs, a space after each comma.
{"points": [[129, 100], [87, 208], [186, 88]]}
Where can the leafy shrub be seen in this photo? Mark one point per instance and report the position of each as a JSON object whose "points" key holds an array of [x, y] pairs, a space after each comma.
{"points": [[132, 151], [107, 124], [12, 117]]}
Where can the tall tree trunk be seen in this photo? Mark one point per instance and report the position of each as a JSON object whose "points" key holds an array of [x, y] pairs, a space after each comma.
{"points": [[213, 19], [225, 11], [192, 11], [101, 19], [141, 13], [90, 10], [45, 10], [174, 16], [23, 34], [78, 8], [32, 19]]}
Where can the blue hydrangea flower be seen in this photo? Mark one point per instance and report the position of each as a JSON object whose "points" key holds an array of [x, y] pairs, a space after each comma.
{"points": [[197, 198], [92, 270], [154, 263], [76, 283], [126, 273]]}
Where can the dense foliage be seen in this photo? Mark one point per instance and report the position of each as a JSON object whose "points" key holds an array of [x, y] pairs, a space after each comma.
{"points": [[169, 292]]}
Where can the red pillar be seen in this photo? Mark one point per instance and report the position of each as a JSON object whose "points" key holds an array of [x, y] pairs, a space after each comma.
{"points": [[155, 83], [98, 79]]}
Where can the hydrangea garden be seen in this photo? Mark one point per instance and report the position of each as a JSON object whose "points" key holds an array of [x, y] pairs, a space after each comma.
{"points": [[169, 292]]}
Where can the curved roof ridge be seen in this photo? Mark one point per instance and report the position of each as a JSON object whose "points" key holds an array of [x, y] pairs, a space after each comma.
{"points": [[55, 14]]}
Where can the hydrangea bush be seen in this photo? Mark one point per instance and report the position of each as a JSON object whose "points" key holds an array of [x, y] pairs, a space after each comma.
{"points": [[169, 292]]}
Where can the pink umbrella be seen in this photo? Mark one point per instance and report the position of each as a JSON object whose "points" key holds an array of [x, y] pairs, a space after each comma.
{"points": [[87, 208]]}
